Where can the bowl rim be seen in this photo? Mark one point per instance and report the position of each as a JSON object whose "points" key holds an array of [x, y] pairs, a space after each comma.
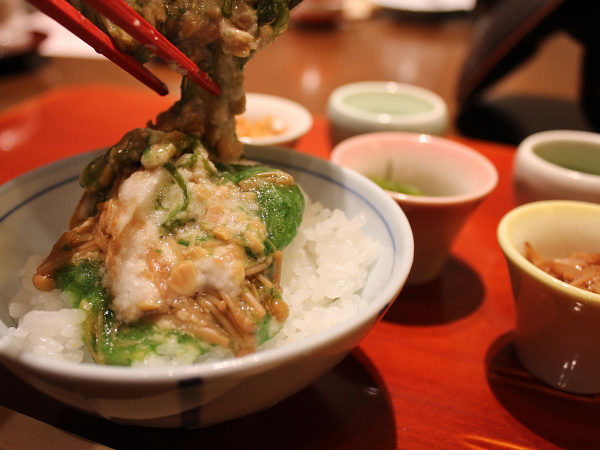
{"points": [[253, 363], [484, 163], [439, 111], [424, 7], [530, 162], [520, 213], [297, 129]]}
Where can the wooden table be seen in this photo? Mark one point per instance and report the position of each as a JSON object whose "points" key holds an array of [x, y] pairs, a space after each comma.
{"points": [[439, 371]]}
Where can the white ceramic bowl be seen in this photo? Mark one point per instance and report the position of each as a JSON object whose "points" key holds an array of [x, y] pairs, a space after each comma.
{"points": [[454, 177], [33, 212], [563, 165], [427, 6], [295, 119], [558, 325], [372, 106]]}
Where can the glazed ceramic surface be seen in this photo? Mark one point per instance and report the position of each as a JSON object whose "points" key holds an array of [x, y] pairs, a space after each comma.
{"points": [[427, 6], [295, 118], [373, 106], [558, 165], [454, 178], [558, 325], [34, 210]]}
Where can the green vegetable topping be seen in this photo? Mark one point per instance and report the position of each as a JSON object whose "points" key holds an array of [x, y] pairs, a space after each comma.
{"points": [[393, 186], [386, 182], [174, 218], [83, 282], [274, 12], [281, 210], [239, 172], [267, 330], [281, 201], [155, 145], [108, 342], [226, 8], [158, 154]]}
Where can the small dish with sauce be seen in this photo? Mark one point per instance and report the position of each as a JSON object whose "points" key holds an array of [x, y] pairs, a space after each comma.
{"points": [[558, 325], [271, 120], [373, 106], [442, 182], [558, 165]]}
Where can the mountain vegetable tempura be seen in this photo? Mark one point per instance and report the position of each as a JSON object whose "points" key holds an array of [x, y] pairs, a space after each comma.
{"points": [[175, 240], [219, 36]]}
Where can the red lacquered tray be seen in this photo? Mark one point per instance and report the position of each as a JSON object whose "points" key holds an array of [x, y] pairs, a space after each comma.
{"points": [[439, 371]]}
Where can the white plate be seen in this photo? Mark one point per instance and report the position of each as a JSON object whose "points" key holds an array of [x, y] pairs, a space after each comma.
{"points": [[427, 5]]}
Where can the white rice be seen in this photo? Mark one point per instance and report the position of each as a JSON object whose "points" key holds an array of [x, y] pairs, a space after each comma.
{"points": [[46, 325], [324, 269]]}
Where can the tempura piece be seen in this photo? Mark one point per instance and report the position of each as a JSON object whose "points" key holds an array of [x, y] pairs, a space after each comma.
{"points": [[175, 246], [220, 36]]}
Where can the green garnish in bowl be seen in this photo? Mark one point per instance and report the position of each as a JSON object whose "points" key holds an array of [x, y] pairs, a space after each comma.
{"points": [[388, 184], [394, 186]]}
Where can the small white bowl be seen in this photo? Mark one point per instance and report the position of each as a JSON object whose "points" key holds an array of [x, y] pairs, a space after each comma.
{"points": [[558, 325], [562, 165], [34, 210], [296, 120], [454, 177], [372, 106]]}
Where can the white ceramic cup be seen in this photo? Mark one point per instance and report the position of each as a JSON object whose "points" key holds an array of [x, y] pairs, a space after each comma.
{"points": [[374, 106], [558, 325], [558, 165], [454, 177]]}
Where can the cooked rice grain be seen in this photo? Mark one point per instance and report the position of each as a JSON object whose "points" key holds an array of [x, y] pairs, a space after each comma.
{"points": [[324, 269]]}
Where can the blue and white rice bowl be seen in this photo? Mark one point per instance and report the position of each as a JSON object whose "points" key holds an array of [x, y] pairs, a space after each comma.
{"points": [[34, 210]]}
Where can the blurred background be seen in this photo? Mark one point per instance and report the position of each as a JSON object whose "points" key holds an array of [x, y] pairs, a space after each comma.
{"points": [[505, 68]]}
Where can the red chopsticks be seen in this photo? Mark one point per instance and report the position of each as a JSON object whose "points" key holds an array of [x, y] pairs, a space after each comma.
{"points": [[134, 24]]}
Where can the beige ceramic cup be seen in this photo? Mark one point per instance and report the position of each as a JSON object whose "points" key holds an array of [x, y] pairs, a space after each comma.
{"points": [[558, 325], [454, 177]]}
